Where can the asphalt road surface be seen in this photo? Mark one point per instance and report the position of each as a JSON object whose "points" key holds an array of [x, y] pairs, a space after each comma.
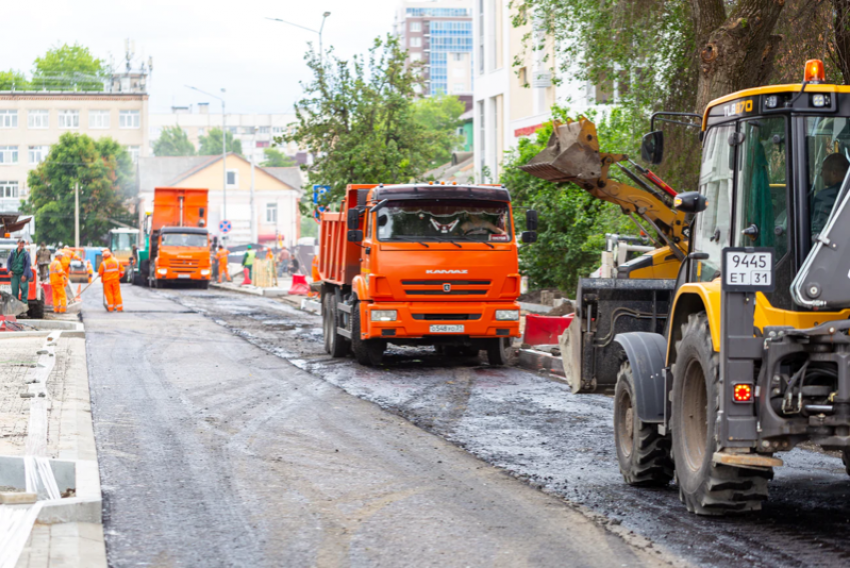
{"points": [[225, 440], [536, 430]]}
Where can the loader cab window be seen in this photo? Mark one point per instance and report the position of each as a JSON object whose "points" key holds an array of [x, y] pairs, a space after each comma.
{"points": [[827, 148], [714, 225], [762, 193]]}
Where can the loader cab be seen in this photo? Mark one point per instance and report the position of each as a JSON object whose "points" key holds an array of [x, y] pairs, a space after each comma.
{"points": [[773, 159]]}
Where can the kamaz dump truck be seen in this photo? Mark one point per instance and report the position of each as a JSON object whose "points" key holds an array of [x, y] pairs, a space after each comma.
{"points": [[421, 264], [753, 356]]}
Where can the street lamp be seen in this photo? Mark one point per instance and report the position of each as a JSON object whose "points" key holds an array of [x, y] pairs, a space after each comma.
{"points": [[319, 31], [223, 147]]}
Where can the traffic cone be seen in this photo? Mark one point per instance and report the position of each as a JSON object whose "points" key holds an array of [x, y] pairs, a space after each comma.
{"points": [[79, 291]]}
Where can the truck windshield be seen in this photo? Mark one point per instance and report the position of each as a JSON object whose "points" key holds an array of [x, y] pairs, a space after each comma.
{"points": [[827, 145], [184, 240], [123, 241], [479, 221]]}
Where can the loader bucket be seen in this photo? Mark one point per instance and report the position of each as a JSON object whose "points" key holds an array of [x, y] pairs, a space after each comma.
{"points": [[11, 306], [571, 155]]}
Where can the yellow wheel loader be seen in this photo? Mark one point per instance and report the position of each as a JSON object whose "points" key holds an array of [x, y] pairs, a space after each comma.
{"points": [[753, 356]]}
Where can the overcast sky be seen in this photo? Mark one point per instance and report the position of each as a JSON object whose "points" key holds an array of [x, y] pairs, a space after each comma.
{"points": [[206, 43]]}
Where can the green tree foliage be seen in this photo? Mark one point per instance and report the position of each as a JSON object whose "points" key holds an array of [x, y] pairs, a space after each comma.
{"points": [[99, 169], [359, 118], [572, 223], [12, 79], [277, 159], [69, 67], [211, 143], [124, 174], [441, 114], [173, 141]]}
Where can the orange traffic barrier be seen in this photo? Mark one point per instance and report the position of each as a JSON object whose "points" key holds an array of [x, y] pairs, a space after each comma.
{"points": [[79, 291]]}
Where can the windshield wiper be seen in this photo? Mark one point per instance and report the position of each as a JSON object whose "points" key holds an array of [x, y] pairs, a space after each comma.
{"points": [[454, 243], [472, 240], [412, 240]]}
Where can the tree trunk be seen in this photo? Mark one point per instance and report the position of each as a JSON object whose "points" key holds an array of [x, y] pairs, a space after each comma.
{"points": [[841, 24], [736, 50]]}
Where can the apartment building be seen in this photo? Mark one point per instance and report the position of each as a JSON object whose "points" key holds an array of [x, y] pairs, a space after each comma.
{"points": [[256, 132], [32, 121], [439, 33], [512, 102]]}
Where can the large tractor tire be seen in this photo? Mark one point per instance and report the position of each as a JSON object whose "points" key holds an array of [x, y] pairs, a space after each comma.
{"points": [[338, 345], [368, 352], [643, 453], [500, 352], [704, 487]]}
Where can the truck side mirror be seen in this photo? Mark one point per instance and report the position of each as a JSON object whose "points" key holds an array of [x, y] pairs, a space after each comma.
{"points": [[353, 219], [690, 202], [355, 235], [652, 147], [531, 220], [529, 236]]}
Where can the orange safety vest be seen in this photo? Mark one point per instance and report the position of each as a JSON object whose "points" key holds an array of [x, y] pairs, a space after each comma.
{"points": [[110, 270], [57, 273], [221, 256]]}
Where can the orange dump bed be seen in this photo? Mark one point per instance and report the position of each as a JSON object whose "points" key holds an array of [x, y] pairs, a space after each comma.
{"points": [[179, 207]]}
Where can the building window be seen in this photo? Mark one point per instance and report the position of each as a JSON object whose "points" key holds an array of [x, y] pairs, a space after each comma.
{"points": [[458, 87], [135, 152], [271, 212], [129, 119], [416, 26], [523, 77], [415, 42], [8, 119], [262, 143], [8, 189], [202, 131], [416, 57], [69, 119], [232, 129], [278, 129], [8, 155], [265, 129], [38, 154], [99, 119], [232, 178], [482, 134], [481, 36], [38, 118], [457, 56]]}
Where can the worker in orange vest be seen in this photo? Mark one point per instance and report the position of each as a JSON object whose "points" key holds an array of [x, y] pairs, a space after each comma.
{"points": [[65, 258], [111, 272], [58, 281], [221, 259]]}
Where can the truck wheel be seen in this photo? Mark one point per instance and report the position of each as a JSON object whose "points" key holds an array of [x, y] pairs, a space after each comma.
{"points": [[643, 454], [145, 272], [205, 285], [846, 458], [327, 326], [339, 345], [499, 351], [36, 309], [368, 352], [705, 488]]}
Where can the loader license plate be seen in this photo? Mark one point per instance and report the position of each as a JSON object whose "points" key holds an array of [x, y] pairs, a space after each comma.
{"points": [[439, 328], [184, 276], [748, 269]]}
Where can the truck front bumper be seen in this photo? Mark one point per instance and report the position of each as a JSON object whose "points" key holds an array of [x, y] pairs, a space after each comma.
{"points": [[416, 320], [168, 273]]}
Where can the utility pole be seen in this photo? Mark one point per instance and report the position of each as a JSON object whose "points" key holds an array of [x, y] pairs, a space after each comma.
{"points": [[319, 31], [253, 212], [76, 214]]}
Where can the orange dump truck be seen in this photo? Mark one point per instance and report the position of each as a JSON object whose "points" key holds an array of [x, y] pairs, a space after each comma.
{"points": [[179, 242], [421, 264]]}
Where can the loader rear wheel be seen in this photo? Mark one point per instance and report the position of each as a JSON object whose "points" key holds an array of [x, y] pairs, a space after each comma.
{"points": [[704, 487], [368, 352], [643, 453]]}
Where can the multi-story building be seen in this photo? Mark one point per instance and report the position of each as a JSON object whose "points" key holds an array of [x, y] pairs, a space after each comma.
{"points": [[439, 34], [513, 101], [256, 132], [32, 121]]}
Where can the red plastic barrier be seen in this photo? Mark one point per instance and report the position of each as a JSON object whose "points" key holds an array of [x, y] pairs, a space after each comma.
{"points": [[247, 280], [299, 285], [10, 323], [545, 330]]}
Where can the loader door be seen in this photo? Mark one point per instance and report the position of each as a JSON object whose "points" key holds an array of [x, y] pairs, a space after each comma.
{"points": [[714, 225]]}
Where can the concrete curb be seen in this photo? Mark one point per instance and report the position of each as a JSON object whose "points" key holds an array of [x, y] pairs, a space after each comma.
{"points": [[254, 291], [532, 360], [311, 306]]}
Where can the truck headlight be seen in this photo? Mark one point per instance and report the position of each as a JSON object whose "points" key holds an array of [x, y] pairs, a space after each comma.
{"points": [[205, 272], [507, 315], [384, 315], [162, 271]]}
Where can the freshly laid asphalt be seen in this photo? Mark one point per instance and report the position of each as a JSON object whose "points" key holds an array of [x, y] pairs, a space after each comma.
{"points": [[215, 451]]}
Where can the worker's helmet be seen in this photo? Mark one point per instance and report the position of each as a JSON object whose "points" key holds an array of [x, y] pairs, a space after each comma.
{"points": [[59, 253], [249, 247]]}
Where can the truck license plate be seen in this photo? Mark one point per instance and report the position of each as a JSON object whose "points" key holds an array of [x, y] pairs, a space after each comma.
{"points": [[184, 276], [439, 328]]}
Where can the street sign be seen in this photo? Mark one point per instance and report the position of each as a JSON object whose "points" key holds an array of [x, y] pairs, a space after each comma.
{"points": [[319, 191], [225, 227], [748, 269]]}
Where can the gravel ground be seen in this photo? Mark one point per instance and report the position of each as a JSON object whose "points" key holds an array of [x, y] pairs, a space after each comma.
{"points": [[537, 430]]}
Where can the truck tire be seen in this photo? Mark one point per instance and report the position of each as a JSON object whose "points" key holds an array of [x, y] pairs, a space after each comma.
{"points": [[327, 326], [339, 345], [643, 453], [205, 285], [704, 487], [145, 272], [500, 351], [36, 309], [368, 352], [845, 457]]}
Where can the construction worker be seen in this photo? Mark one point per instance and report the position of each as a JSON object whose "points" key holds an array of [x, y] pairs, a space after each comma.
{"points": [[221, 260], [66, 258], [58, 281], [19, 266], [42, 259], [248, 263], [111, 272]]}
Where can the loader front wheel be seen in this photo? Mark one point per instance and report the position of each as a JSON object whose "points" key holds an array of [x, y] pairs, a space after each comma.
{"points": [[643, 453], [705, 488]]}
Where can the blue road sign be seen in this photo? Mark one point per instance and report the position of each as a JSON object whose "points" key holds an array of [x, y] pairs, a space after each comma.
{"points": [[225, 227], [319, 191]]}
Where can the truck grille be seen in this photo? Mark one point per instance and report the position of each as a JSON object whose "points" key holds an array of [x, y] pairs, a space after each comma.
{"points": [[441, 282], [184, 265], [446, 317], [442, 293], [435, 287]]}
